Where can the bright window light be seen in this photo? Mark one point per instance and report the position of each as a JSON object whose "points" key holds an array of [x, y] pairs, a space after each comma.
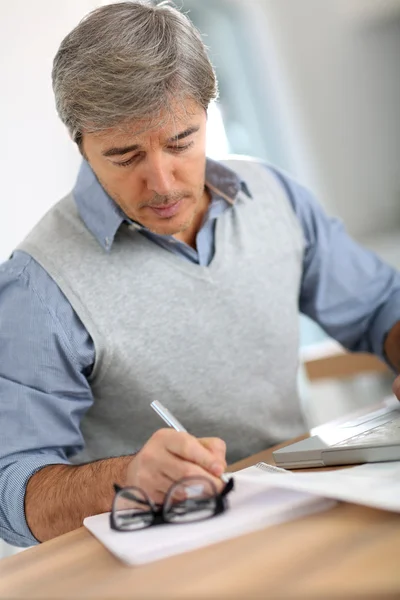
{"points": [[217, 144]]}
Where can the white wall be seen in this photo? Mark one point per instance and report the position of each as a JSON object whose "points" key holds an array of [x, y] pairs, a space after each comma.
{"points": [[38, 162], [343, 76]]}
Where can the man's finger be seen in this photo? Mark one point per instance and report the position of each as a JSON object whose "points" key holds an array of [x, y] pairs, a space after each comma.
{"points": [[156, 486], [216, 446], [189, 448], [178, 469]]}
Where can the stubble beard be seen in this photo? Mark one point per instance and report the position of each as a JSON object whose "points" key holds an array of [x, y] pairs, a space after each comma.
{"points": [[159, 200]]}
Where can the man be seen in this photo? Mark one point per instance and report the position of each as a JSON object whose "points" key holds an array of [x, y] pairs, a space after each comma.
{"points": [[162, 276]]}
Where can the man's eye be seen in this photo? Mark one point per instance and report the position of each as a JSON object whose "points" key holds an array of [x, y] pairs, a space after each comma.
{"points": [[174, 148], [126, 163], [181, 148]]}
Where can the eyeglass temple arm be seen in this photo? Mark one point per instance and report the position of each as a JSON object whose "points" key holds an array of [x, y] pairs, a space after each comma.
{"points": [[228, 487], [129, 496]]}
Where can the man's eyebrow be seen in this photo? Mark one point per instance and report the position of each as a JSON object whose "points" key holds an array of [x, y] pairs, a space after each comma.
{"points": [[120, 150], [125, 149], [184, 134]]}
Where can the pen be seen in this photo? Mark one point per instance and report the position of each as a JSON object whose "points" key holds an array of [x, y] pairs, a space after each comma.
{"points": [[172, 421]]}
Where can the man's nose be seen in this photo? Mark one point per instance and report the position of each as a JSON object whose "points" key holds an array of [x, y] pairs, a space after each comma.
{"points": [[159, 176]]}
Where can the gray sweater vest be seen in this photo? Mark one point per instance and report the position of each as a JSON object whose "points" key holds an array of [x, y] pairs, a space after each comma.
{"points": [[218, 345]]}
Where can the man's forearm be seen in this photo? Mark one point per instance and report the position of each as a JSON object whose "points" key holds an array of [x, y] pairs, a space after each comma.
{"points": [[59, 497], [392, 347]]}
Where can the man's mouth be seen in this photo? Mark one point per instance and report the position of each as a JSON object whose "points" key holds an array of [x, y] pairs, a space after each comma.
{"points": [[168, 210]]}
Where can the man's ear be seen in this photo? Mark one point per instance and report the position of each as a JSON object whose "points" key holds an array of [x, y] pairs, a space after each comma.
{"points": [[78, 139]]}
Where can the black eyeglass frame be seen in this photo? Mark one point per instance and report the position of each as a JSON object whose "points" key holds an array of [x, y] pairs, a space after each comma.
{"points": [[157, 510]]}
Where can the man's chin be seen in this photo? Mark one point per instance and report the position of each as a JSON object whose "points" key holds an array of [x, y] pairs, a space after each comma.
{"points": [[169, 227]]}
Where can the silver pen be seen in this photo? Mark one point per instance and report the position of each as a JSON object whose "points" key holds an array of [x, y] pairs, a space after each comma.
{"points": [[172, 421]]}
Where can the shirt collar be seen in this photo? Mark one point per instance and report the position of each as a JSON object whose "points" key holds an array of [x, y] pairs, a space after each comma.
{"points": [[103, 217], [224, 182]]}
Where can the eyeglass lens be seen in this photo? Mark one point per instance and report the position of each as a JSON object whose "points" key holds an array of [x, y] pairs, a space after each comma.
{"points": [[190, 500], [132, 509]]}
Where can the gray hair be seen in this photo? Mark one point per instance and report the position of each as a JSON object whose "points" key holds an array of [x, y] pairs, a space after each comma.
{"points": [[128, 61]]}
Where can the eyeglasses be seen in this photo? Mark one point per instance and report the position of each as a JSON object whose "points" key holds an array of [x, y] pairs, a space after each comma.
{"points": [[188, 500]]}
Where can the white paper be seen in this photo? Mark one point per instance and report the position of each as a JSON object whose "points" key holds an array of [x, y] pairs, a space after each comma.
{"points": [[372, 484], [253, 504]]}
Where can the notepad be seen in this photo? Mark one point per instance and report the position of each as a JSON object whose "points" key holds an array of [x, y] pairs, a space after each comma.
{"points": [[253, 504]]}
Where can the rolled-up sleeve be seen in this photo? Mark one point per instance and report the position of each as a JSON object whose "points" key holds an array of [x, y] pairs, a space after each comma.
{"points": [[348, 290], [45, 354]]}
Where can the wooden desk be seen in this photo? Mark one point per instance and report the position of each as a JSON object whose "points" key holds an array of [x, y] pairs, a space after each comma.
{"points": [[347, 552]]}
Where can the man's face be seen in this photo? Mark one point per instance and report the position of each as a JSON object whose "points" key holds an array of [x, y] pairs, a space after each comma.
{"points": [[155, 174]]}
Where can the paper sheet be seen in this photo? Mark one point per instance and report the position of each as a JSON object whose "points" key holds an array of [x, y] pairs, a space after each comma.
{"points": [[372, 484], [254, 504]]}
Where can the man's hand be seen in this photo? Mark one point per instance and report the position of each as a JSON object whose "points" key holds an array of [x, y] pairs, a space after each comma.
{"points": [[396, 387], [392, 349], [170, 455], [59, 497], [392, 352]]}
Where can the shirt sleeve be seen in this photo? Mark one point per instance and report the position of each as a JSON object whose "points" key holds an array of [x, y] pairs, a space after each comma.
{"points": [[348, 290], [45, 355]]}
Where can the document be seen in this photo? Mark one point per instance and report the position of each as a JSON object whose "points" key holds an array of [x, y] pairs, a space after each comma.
{"points": [[372, 484], [256, 502]]}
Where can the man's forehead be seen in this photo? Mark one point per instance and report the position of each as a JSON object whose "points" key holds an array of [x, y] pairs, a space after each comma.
{"points": [[162, 127]]}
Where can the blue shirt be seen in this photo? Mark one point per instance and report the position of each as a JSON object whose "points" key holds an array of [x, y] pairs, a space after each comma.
{"points": [[46, 353]]}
